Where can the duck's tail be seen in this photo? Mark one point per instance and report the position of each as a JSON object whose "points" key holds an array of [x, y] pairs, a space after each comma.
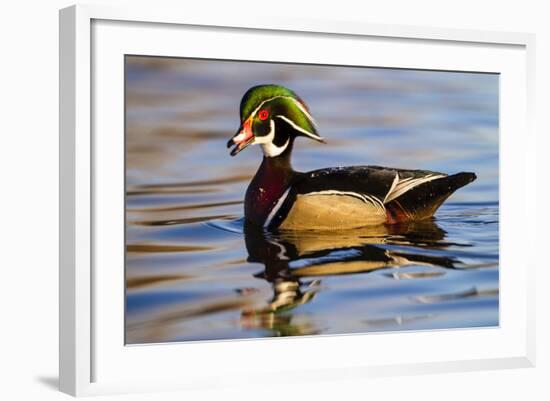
{"points": [[422, 201]]}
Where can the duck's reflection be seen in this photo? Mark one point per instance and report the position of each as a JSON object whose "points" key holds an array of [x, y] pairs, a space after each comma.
{"points": [[295, 262]]}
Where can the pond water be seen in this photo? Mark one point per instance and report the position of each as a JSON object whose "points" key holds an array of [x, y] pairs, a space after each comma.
{"points": [[195, 272]]}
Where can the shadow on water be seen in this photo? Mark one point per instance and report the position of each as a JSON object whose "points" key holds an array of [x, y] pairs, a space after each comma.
{"points": [[295, 263], [305, 276]]}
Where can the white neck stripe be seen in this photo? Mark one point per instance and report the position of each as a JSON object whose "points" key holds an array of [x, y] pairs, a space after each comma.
{"points": [[268, 147]]}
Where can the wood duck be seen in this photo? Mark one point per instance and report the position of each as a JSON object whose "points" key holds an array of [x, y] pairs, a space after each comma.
{"points": [[279, 197]]}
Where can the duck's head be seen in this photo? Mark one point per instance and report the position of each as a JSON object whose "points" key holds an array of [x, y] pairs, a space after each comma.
{"points": [[272, 116]]}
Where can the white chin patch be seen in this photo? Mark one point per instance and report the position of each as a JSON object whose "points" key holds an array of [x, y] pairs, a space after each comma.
{"points": [[268, 147], [270, 150]]}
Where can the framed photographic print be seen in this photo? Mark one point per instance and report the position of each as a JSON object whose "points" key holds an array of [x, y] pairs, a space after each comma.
{"points": [[229, 200]]}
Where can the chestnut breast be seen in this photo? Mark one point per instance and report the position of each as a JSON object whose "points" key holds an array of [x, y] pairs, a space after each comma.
{"points": [[265, 189]]}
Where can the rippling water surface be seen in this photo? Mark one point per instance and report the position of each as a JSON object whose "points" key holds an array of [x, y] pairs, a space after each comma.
{"points": [[195, 272]]}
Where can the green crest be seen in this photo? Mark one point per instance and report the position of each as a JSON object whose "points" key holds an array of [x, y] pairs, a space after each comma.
{"points": [[280, 102]]}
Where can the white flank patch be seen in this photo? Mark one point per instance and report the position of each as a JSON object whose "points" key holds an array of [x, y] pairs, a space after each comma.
{"points": [[399, 187], [276, 208], [373, 200]]}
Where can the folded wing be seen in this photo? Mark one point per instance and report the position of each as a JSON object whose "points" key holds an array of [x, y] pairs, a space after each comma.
{"points": [[347, 197]]}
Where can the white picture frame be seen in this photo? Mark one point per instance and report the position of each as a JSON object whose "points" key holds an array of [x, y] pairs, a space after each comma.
{"points": [[95, 361]]}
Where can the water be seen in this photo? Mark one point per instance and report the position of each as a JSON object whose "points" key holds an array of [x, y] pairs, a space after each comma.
{"points": [[194, 272]]}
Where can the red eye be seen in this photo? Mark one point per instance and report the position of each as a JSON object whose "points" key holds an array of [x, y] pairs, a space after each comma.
{"points": [[263, 114]]}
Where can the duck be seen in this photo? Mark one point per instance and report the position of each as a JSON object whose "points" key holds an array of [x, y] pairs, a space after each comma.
{"points": [[280, 198]]}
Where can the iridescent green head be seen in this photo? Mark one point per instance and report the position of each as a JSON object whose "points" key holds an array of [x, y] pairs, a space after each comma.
{"points": [[272, 116]]}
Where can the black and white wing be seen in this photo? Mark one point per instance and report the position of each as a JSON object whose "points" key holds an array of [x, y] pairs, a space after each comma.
{"points": [[347, 197]]}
